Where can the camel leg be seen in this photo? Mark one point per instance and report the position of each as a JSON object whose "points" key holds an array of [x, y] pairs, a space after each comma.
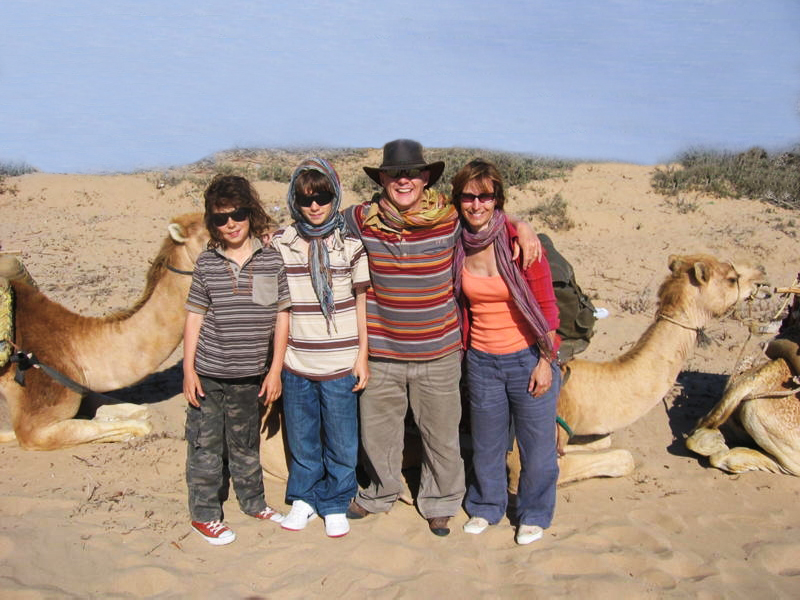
{"points": [[740, 460], [577, 466], [76, 431], [758, 380], [601, 443], [581, 461], [7, 436]]}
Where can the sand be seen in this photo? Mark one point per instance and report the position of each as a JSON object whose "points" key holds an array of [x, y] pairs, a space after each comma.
{"points": [[110, 520]]}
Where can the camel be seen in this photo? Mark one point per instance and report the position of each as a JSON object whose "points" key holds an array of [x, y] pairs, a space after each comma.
{"points": [[601, 397], [598, 398], [101, 354], [761, 405]]}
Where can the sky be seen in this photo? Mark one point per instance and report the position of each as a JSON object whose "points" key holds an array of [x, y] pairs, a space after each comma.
{"points": [[91, 86]]}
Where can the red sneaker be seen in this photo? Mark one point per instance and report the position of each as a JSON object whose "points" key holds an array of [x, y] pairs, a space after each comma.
{"points": [[214, 532], [269, 514]]}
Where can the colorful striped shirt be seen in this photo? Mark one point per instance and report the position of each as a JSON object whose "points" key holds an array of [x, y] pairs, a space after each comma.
{"points": [[312, 352], [411, 313], [239, 307]]}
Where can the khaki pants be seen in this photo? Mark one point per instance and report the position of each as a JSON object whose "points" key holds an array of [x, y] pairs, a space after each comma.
{"points": [[431, 389]]}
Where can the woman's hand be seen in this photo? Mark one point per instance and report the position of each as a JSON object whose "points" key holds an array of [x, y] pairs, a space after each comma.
{"points": [[541, 378]]}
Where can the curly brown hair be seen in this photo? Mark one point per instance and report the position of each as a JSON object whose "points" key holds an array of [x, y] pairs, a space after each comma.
{"points": [[233, 191]]}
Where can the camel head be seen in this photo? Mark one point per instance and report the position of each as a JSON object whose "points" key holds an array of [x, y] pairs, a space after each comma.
{"points": [[188, 233], [702, 286]]}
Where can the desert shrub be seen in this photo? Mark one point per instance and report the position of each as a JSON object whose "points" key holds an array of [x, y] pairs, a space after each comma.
{"points": [[553, 212], [275, 172], [755, 173], [362, 184], [637, 303], [5, 188], [682, 204], [14, 169], [517, 169]]}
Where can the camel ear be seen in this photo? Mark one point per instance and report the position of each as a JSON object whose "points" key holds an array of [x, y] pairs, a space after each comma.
{"points": [[702, 272], [675, 263], [177, 233]]}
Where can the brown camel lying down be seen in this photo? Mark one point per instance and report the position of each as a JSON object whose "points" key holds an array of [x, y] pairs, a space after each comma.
{"points": [[101, 354]]}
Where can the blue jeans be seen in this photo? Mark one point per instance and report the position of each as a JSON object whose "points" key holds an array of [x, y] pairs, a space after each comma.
{"points": [[322, 431], [497, 388]]}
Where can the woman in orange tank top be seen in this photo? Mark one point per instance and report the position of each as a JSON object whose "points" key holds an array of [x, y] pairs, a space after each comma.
{"points": [[509, 318]]}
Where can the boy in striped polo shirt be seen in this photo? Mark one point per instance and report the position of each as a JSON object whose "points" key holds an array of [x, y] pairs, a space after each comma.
{"points": [[326, 358], [237, 298]]}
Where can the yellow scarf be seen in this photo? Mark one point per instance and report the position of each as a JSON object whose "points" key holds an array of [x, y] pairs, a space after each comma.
{"points": [[433, 209]]}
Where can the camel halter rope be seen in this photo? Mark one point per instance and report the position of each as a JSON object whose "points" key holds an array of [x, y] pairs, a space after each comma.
{"points": [[702, 337]]}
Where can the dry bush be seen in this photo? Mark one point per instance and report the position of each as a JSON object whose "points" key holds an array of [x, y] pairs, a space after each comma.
{"points": [[553, 212]]}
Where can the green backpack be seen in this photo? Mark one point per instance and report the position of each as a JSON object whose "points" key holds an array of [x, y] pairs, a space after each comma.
{"points": [[575, 310]]}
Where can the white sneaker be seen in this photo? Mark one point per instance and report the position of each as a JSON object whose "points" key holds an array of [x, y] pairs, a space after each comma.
{"points": [[299, 516], [476, 525], [528, 533], [336, 525]]}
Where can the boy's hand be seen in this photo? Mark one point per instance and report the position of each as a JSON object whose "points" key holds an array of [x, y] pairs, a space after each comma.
{"points": [[271, 387], [361, 373], [192, 388]]}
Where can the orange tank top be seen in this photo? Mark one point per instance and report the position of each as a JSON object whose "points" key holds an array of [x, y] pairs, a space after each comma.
{"points": [[497, 326]]}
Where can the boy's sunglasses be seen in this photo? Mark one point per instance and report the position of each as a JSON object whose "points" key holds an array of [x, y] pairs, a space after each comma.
{"points": [[321, 198], [238, 215]]}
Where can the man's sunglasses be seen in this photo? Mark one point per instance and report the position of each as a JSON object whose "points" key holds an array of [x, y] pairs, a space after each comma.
{"points": [[400, 173], [221, 219], [321, 198]]}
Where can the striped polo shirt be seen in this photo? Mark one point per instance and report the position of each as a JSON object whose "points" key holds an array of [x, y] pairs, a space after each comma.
{"points": [[312, 351], [411, 313], [239, 307]]}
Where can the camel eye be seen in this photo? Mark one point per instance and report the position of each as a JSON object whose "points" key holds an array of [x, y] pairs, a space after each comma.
{"points": [[732, 280]]}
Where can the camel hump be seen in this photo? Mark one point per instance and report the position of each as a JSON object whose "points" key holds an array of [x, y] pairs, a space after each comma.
{"points": [[13, 269]]}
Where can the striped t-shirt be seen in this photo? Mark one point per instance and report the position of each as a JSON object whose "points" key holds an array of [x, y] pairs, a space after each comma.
{"points": [[239, 307], [313, 352], [411, 313]]}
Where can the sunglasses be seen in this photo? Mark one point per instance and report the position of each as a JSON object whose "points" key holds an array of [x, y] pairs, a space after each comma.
{"points": [[400, 173], [238, 215], [482, 198], [321, 198]]}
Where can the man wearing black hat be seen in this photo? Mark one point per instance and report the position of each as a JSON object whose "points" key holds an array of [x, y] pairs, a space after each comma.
{"points": [[409, 233]]}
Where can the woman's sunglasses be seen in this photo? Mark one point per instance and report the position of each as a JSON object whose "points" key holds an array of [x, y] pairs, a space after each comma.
{"points": [[221, 219], [321, 198]]}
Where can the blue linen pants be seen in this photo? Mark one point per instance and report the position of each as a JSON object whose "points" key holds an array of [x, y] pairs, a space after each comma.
{"points": [[322, 431], [497, 388]]}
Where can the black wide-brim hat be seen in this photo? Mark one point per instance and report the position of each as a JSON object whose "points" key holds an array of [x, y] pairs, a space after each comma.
{"points": [[405, 154]]}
